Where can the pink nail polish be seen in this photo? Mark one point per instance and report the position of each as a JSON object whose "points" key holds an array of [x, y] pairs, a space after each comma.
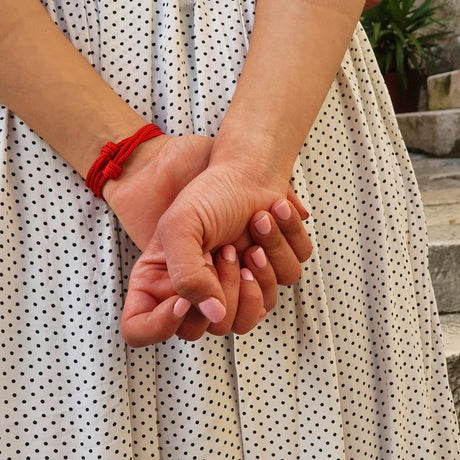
{"points": [[212, 309], [181, 307], [282, 210], [259, 259], [246, 274], [229, 253], [263, 225]]}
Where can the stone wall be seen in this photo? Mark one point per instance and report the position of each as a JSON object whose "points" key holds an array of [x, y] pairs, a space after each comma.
{"points": [[449, 48]]}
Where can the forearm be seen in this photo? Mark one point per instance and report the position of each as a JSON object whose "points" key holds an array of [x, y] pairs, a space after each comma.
{"points": [[295, 51], [54, 89]]}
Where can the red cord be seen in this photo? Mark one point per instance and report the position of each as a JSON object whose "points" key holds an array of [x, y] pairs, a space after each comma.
{"points": [[108, 163]]}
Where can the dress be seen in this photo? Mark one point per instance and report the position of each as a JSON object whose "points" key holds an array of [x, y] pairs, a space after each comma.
{"points": [[350, 365]]}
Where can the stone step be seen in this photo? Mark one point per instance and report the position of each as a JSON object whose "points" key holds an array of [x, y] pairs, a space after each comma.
{"points": [[434, 132], [451, 335], [445, 275], [443, 91], [439, 183]]}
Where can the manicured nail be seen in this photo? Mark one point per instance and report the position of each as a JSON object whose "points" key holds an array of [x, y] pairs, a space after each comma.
{"points": [[259, 259], [283, 210], [181, 307], [229, 253], [263, 225], [212, 309], [208, 258], [246, 274]]}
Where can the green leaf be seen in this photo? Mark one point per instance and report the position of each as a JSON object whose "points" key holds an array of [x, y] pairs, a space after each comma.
{"points": [[403, 33]]}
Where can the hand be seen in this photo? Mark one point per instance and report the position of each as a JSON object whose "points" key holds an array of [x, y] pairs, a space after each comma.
{"points": [[153, 311], [155, 174], [213, 210], [152, 177]]}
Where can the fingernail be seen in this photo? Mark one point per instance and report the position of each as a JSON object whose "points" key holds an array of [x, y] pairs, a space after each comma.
{"points": [[246, 274], [283, 210], [212, 309], [263, 225], [208, 258], [181, 307], [259, 259], [229, 253]]}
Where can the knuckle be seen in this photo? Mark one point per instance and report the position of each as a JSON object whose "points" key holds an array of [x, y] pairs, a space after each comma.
{"points": [[275, 243], [304, 251], [134, 340], [185, 283], [287, 278], [270, 300], [219, 329], [190, 334]]}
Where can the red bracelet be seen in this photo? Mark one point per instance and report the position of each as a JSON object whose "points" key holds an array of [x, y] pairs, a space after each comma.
{"points": [[108, 163]]}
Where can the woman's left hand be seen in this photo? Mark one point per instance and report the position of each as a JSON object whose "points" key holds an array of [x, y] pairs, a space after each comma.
{"points": [[211, 211]]}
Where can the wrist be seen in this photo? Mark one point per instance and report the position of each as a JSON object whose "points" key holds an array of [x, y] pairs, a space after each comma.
{"points": [[254, 146], [99, 129], [141, 156]]}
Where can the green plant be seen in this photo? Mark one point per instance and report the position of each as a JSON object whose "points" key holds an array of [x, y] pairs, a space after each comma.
{"points": [[403, 34]]}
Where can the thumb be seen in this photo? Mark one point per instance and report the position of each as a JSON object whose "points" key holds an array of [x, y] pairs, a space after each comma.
{"points": [[190, 269]]}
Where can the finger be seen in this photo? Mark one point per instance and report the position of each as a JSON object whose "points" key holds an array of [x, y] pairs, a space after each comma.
{"points": [[246, 240], [153, 323], [243, 242], [190, 275], [256, 260], [283, 259], [298, 205], [193, 326], [228, 271], [290, 224], [152, 310], [250, 308], [196, 324]]}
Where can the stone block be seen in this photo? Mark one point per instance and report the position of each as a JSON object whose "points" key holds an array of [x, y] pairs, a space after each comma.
{"points": [[450, 7], [451, 335], [453, 369], [434, 132], [451, 52], [445, 274], [443, 91], [439, 184]]}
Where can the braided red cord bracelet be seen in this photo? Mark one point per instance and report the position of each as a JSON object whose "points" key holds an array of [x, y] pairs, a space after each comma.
{"points": [[108, 163]]}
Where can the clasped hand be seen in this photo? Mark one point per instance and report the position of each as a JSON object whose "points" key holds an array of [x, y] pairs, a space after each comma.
{"points": [[216, 241]]}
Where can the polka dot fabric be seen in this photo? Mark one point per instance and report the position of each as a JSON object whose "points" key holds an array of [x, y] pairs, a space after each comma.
{"points": [[350, 365]]}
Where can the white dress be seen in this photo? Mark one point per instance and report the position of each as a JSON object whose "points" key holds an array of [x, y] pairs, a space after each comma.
{"points": [[350, 365]]}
